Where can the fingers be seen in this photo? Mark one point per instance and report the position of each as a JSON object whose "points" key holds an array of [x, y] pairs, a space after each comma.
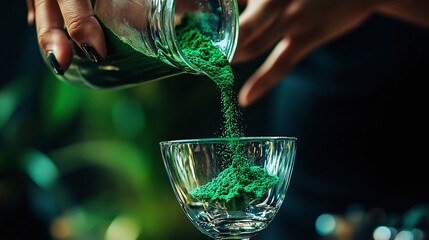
{"points": [[258, 17], [81, 24], [306, 25], [30, 14], [266, 76], [261, 44], [283, 58], [52, 39], [84, 28]]}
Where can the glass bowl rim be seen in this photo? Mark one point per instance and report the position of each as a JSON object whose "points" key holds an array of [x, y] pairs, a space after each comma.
{"points": [[220, 140]]}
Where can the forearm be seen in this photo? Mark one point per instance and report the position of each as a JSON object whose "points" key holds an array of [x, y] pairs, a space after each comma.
{"points": [[415, 11]]}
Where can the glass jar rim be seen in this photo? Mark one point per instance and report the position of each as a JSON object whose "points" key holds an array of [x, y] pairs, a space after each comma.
{"points": [[231, 11]]}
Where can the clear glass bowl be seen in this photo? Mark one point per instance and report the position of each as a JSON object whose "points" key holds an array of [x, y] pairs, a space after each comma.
{"points": [[196, 162]]}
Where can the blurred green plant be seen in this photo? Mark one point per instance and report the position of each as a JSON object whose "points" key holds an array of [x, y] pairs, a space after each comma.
{"points": [[90, 160]]}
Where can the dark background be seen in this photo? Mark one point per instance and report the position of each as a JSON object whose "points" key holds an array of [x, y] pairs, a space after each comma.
{"points": [[83, 164]]}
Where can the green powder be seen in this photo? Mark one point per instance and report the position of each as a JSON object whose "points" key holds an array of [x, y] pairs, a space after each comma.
{"points": [[236, 187], [199, 49], [239, 183], [134, 65]]}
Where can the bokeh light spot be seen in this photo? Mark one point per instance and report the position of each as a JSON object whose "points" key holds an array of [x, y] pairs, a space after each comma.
{"points": [[418, 234], [404, 235], [123, 228], [325, 224], [41, 169], [60, 228], [382, 233]]}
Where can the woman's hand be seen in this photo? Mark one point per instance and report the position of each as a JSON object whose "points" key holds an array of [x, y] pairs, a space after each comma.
{"points": [[51, 16], [294, 27]]}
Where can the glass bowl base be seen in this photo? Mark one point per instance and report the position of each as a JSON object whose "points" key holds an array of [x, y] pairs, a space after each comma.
{"points": [[230, 228]]}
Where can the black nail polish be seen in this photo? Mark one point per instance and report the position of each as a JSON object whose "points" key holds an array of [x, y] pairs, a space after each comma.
{"points": [[54, 63], [91, 53]]}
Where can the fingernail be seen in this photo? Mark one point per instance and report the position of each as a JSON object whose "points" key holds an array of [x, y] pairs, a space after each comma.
{"points": [[54, 63], [251, 97], [91, 53], [30, 18], [242, 99]]}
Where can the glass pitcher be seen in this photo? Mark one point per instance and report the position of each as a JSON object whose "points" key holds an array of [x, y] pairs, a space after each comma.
{"points": [[142, 44]]}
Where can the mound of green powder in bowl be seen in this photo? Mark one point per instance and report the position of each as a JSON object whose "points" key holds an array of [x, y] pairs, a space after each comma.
{"points": [[240, 183]]}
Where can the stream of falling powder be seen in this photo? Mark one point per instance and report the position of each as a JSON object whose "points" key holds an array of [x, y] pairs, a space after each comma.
{"points": [[239, 183], [201, 52]]}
